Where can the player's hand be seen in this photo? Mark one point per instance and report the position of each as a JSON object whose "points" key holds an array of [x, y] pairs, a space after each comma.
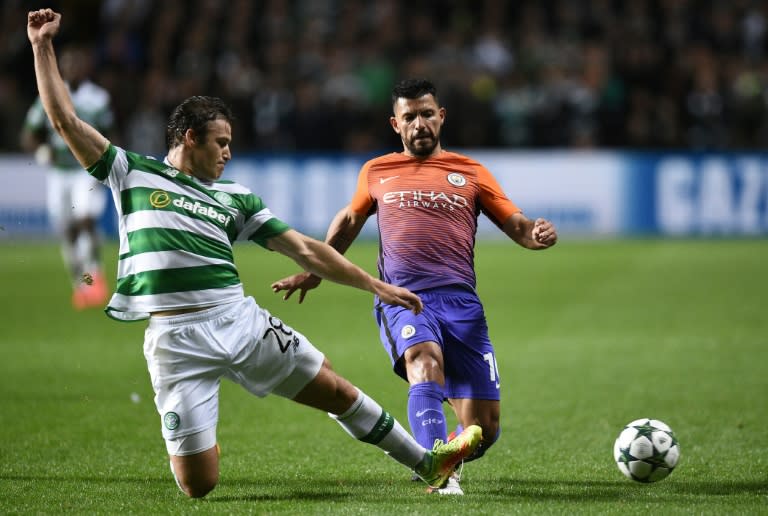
{"points": [[399, 296], [302, 282], [43, 24], [544, 233]]}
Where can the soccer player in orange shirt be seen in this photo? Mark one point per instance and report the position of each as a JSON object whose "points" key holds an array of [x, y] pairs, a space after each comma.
{"points": [[427, 201]]}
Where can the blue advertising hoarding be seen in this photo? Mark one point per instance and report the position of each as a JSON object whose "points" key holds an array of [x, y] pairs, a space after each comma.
{"points": [[586, 194]]}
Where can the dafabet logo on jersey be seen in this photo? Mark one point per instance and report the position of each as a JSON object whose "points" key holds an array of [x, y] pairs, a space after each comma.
{"points": [[161, 199], [196, 207]]}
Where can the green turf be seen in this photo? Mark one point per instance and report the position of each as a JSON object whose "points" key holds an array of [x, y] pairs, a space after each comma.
{"points": [[589, 336]]}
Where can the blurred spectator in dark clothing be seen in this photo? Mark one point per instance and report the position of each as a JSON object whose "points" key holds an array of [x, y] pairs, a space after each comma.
{"points": [[308, 75]]}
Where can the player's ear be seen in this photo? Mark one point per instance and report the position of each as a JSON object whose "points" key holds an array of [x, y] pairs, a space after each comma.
{"points": [[190, 138], [393, 123]]}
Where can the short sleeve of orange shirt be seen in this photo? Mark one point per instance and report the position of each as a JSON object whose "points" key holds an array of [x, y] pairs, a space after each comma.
{"points": [[427, 215]]}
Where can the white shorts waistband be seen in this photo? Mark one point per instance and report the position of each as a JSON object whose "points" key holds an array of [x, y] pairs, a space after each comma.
{"points": [[191, 317]]}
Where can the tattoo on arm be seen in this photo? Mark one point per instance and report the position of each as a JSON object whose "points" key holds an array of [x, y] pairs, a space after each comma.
{"points": [[341, 241]]}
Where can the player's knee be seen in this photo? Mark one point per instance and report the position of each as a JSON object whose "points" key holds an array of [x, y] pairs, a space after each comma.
{"points": [[424, 363], [197, 489], [196, 474], [196, 484]]}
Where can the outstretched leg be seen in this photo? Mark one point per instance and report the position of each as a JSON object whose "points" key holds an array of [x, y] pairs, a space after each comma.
{"points": [[366, 421], [360, 415]]}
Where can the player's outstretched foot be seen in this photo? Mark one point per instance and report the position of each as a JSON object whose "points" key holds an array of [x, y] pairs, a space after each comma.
{"points": [[439, 464], [452, 487]]}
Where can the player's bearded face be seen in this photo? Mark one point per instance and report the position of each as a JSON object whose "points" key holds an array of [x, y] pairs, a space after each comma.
{"points": [[422, 142], [418, 121]]}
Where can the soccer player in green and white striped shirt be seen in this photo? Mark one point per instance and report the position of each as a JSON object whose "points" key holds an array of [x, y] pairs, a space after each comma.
{"points": [[177, 223], [177, 230]]}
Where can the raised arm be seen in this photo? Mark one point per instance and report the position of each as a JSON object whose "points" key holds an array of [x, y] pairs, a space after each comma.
{"points": [[344, 228], [324, 261], [85, 142], [538, 234]]}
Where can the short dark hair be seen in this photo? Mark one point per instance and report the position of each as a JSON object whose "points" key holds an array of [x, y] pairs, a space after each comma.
{"points": [[195, 113], [413, 89]]}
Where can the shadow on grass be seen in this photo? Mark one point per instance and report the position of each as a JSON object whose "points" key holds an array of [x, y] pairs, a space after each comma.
{"points": [[321, 496], [496, 490], [253, 490], [90, 479], [309, 489], [577, 490]]}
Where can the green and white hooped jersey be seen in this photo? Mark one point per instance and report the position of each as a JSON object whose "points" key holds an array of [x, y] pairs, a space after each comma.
{"points": [[176, 235], [92, 104]]}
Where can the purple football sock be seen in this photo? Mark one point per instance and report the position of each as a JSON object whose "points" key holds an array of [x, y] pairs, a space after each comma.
{"points": [[425, 413]]}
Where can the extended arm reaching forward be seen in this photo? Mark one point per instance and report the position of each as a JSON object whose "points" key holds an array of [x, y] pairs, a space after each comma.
{"points": [[344, 228], [324, 261]]}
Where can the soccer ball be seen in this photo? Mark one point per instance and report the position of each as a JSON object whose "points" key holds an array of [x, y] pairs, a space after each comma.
{"points": [[646, 450]]}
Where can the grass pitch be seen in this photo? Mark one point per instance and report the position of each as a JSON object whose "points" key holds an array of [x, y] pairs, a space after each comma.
{"points": [[589, 336]]}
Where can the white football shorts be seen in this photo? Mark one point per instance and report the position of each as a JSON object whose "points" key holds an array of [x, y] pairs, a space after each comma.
{"points": [[188, 354], [73, 195]]}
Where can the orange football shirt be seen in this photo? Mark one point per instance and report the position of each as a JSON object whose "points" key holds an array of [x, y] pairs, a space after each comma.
{"points": [[427, 214]]}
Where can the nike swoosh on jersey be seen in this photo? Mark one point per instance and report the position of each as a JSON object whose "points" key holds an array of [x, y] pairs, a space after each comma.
{"points": [[383, 180], [422, 412]]}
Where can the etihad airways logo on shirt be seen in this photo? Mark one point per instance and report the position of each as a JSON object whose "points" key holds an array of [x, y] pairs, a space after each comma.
{"points": [[422, 199]]}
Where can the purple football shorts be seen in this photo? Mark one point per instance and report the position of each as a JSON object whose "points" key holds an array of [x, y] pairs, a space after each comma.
{"points": [[453, 317]]}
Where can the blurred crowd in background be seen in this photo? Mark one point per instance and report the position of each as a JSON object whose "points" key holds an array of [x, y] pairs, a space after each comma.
{"points": [[316, 75]]}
